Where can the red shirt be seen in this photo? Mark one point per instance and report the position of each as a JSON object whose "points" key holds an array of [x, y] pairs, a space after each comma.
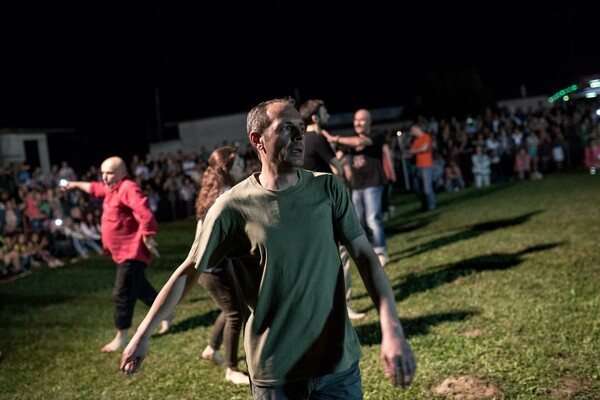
{"points": [[424, 159], [126, 218]]}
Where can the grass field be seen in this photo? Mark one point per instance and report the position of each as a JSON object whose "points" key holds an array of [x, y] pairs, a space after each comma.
{"points": [[498, 291]]}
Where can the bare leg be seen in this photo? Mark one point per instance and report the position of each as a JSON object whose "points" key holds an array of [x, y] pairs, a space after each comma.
{"points": [[119, 341]]}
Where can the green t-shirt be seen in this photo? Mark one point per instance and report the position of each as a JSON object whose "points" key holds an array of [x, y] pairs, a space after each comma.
{"points": [[287, 264]]}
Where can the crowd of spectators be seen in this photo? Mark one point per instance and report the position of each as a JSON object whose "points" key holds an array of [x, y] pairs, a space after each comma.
{"points": [[43, 226], [503, 145]]}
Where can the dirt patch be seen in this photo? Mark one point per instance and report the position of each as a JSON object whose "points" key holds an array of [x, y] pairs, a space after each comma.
{"points": [[568, 387], [472, 333], [467, 387]]}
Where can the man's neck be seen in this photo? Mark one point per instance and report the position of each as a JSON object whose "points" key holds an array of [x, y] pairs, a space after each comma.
{"points": [[278, 180]]}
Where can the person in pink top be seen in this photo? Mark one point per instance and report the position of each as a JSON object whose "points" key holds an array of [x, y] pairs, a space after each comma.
{"points": [[128, 228], [592, 155]]}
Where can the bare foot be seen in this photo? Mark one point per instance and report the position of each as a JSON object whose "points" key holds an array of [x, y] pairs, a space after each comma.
{"points": [[213, 355], [114, 345], [236, 377], [166, 324], [119, 341]]}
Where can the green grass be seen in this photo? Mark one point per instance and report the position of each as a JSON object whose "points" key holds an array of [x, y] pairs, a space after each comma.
{"points": [[500, 283]]}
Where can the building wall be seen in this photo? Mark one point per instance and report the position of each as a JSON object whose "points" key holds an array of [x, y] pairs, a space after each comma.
{"points": [[209, 132], [12, 149]]}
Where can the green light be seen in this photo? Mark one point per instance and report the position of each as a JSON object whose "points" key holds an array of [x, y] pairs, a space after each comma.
{"points": [[563, 93]]}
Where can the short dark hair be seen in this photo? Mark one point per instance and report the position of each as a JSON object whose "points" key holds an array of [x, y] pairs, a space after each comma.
{"points": [[309, 108], [258, 120]]}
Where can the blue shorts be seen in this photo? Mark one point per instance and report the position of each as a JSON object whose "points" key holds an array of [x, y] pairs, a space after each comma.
{"points": [[346, 385]]}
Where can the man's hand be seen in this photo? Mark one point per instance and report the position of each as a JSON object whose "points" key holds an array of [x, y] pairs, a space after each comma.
{"points": [[151, 245]]}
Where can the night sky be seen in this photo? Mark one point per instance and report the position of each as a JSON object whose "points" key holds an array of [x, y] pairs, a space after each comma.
{"points": [[97, 76]]}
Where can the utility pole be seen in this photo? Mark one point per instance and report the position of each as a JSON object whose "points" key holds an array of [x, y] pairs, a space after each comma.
{"points": [[159, 132]]}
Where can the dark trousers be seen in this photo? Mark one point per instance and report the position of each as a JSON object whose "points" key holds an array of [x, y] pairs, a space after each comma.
{"points": [[228, 325], [131, 284], [346, 385]]}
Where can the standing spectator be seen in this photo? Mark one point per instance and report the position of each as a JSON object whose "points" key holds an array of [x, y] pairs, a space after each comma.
{"points": [[423, 152], [282, 226], [187, 194], [592, 155], [128, 229], [7, 183], [368, 183], [481, 167], [522, 163], [66, 172]]}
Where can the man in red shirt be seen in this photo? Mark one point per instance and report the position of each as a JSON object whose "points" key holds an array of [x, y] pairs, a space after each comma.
{"points": [[422, 149], [128, 227]]}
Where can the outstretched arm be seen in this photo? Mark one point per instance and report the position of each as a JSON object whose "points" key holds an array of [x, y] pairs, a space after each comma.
{"points": [[81, 185], [176, 288], [396, 354]]}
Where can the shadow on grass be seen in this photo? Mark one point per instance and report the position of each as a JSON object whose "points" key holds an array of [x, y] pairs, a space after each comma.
{"points": [[46, 287], [471, 193], [206, 319], [445, 199], [415, 283], [410, 225], [370, 334], [467, 232]]}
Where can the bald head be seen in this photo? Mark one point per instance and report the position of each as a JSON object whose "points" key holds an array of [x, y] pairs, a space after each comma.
{"points": [[113, 170], [362, 121]]}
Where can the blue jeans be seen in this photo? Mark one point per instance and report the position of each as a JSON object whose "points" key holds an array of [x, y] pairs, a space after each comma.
{"points": [[423, 182], [367, 204], [346, 385]]}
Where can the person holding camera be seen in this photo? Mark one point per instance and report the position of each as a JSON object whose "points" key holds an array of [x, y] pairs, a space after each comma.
{"points": [[128, 229]]}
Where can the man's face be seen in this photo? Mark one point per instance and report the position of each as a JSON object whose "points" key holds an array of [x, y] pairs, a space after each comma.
{"points": [[362, 122], [284, 139], [237, 170], [111, 174]]}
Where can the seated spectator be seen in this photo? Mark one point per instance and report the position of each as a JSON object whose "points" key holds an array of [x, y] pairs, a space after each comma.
{"points": [[81, 243], [10, 266], [11, 218], [33, 202], [91, 227], [61, 245], [453, 177], [41, 251], [24, 248]]}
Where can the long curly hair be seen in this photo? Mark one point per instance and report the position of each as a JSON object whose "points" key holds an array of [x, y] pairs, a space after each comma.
{"points": [[215, 178]]}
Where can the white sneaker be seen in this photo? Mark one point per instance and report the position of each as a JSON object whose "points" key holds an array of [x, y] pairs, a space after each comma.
{"points": [[355, 315], [236, 377], [213, 355]]}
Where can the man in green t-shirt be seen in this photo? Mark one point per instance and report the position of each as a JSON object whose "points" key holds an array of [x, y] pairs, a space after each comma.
{"points": [[281, 227]]}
